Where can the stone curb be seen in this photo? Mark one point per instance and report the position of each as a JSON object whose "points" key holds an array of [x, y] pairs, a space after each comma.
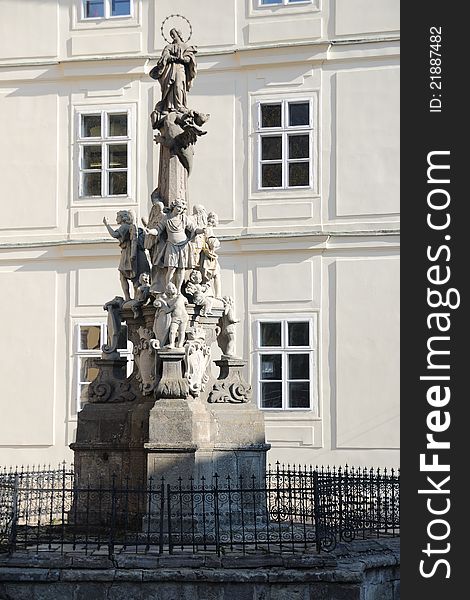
{"points": [[351, 575]]}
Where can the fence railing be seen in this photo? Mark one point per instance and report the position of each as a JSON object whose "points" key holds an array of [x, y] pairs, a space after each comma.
{"points": [[294, 509]]}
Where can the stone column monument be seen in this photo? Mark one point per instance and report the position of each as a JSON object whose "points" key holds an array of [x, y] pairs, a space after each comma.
{"points": [[181, 412]]}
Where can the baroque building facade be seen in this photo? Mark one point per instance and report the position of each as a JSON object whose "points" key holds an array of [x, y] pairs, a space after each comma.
{"points": [[300, 162]]}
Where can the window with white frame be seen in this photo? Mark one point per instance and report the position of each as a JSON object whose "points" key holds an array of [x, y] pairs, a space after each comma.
{"points": [[104, 147], [285, 144], [274, 2], [106, 9], [90, 339], [285, 364]]}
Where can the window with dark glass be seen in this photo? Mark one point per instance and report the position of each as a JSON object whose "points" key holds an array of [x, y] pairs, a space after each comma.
{"points": [[285, 364], [104, 154], [285, 144]]}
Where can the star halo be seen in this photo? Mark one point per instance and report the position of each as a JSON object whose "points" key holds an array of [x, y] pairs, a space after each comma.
{"points": [[162, 29]]}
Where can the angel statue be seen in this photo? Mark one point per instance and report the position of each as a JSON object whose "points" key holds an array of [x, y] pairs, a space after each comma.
{"points": [[175, 71]]}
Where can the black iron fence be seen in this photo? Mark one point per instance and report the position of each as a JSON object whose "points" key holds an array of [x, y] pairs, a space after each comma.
{"points": [[294, 509]]}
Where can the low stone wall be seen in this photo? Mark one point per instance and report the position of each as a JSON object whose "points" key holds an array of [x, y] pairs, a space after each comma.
{"points": [[362, 570]]}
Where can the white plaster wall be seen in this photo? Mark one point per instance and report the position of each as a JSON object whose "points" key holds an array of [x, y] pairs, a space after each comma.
{"points": [[367, 142], [29, 357], [367, 353], [28, 29], [28, 144], [366, 16]]}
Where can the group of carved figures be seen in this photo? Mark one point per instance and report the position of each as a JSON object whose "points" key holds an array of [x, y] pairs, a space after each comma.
{"points": [[171, 261]]}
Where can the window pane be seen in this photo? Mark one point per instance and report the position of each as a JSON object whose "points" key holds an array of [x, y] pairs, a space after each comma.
{"points": [[299, 113], [117, 125], [298, 334], [271, 147], [271, 1], [271, 175], [91, 184], [91, 125], [270, 334], [94, 8], [88, 371], [117, 156], [292, 1], [271, 115], [271, 395], [299, 146], [299, 174], [91, 157], [90, 337], [299, 394], [118, 183], [271, 366], [122, 339], [299, 366], [120, 7]]}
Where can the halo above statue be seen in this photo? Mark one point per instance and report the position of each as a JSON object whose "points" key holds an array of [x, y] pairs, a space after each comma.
{"points": [[184, 19]]}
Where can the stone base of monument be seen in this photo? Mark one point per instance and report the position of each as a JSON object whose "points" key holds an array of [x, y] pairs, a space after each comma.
{"points": [[171, 423]]}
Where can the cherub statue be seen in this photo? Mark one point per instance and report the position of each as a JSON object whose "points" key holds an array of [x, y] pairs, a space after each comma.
{"points": [[226, 339], [133, 258], [179, 133], [209, 263], [142, 295], [212, 223], [200, 292], [173, 303]]}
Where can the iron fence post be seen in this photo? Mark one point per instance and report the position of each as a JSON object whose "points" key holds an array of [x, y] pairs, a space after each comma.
{"points": [[113, 519], [316, 510], [162, 516], [14, 517], [170, 542]]}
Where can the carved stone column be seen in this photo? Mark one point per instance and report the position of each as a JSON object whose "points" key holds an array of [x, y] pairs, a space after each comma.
{"points": [[172, 178]]}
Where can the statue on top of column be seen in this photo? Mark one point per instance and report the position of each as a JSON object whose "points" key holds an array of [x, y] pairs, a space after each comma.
{"points": [[175, 70], [178, 126]]}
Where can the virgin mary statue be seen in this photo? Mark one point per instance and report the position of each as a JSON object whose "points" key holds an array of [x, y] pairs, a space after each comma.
{"points": [[175, 71]]}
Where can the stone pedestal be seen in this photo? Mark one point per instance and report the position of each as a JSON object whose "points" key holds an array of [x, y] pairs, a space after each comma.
{"points": [[186, 424]]}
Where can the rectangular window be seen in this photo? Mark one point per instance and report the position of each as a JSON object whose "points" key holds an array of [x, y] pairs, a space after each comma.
{"points": [[106, 9], [103, 141], [285, 364], [90, 339], [285, 142]]}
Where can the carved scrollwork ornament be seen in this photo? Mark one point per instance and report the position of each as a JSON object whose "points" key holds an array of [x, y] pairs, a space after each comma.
{"points": [[230, 392]]}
